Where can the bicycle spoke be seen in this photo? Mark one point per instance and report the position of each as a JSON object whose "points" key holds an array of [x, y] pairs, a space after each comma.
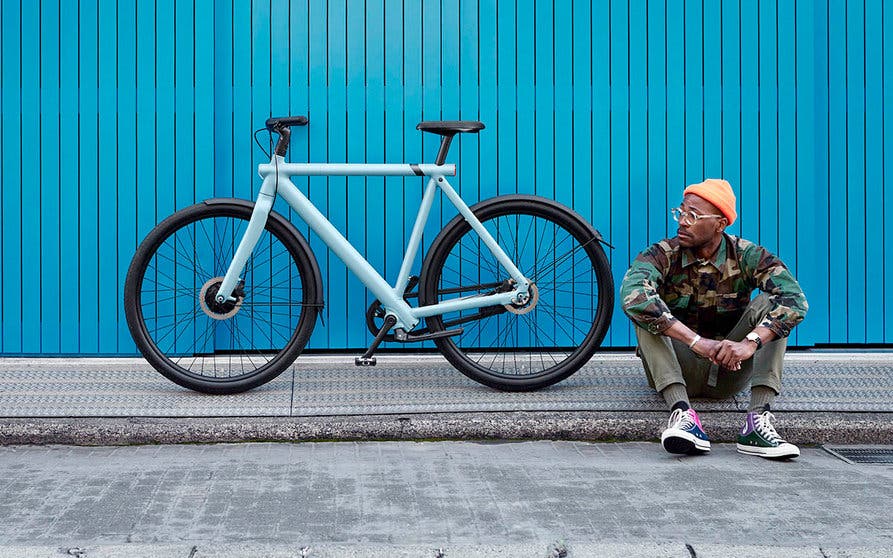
{"points": [[549, 254]]}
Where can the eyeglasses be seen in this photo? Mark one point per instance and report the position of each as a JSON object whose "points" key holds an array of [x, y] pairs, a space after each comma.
{"points": [[689, 218]]}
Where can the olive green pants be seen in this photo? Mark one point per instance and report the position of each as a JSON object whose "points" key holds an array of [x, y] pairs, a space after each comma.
{"points": [[669, 361]]}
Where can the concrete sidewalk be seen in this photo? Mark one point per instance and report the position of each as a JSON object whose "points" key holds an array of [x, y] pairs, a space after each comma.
{"points": [[829, 397], [436, 499]]}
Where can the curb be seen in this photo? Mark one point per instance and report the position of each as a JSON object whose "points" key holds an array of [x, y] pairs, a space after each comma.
{"points": [[797, 427]]}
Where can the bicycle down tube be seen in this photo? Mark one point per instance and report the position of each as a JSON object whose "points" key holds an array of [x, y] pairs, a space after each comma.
{"points": [[276, 180]]}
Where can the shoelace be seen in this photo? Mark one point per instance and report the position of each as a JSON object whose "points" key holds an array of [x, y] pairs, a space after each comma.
{"points": [[763, 425], [681, 419]]}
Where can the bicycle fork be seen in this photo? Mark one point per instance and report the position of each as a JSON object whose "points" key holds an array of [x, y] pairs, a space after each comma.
{"points": [[256, 224]]}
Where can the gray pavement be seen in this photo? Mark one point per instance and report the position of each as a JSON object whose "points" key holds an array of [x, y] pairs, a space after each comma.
{"points": [[570, 498], [828, 397], [470, 499]]}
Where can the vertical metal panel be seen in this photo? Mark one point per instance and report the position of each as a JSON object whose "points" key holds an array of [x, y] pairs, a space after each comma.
{"points": [[355, 201], [116, 114], [767, 190], [30, 180], [373, 226], [812, 181], [88, 179], [10, 173], [337, 185], [637, 177], [887, 117], [656, 137], [693, 16], [581, 122], [713, 41], [748, 189], [855, 164], [48, 184], [787, 142], [126, 176], [874, 168], [837, 168], [730, 79], [675, 63], [619, 154], [67, 144]]}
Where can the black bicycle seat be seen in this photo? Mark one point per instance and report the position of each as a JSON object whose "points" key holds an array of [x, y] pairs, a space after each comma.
{"points": [[450, 127]]}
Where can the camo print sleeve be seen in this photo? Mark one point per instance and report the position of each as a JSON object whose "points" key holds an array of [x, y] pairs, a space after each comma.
{"points": [[773, 278], [638, 292]]}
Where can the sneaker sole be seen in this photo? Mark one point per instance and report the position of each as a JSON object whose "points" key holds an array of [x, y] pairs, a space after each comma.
{"points": [[684, 443], [770, 453]]}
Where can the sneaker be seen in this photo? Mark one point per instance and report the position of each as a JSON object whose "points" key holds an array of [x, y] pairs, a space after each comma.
{"points": [[684, 433], [758, 437]]}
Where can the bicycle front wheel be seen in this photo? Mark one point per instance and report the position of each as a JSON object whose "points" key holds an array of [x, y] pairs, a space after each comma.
{"points": [[548, 339], [180, 328]]}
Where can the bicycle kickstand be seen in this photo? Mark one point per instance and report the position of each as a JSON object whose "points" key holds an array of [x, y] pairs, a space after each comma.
{"points": [[367, 359]]}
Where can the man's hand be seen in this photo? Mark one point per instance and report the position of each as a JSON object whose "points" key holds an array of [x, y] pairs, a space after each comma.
{"points": [[706, 348], [731, 353]]}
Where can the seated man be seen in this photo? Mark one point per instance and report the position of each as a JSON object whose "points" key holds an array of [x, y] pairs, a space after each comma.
{"points": [[699, 332]]}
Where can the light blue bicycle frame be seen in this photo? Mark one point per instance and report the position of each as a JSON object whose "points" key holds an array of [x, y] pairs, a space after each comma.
{"points": [[276, 180]]}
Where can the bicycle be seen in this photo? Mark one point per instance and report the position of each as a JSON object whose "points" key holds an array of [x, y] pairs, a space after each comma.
{"points": [[515, 291]]}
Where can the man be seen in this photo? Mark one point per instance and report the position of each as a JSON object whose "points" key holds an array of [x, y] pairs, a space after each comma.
{"points": [[699, 332]]}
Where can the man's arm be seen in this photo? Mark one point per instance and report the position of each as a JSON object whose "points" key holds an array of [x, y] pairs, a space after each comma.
{"points": [[644, 306], [771, 276], [706, 348], [789, 308], [730, 354], [638, 291]]}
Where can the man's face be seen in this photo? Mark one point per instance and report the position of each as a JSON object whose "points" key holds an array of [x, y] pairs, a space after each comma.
{"points": [[702, 230]]}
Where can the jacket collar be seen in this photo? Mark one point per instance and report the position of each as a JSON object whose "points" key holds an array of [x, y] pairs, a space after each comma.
{"points": [[718, 260]]}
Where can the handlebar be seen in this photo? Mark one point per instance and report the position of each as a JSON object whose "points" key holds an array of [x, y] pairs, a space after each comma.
{"points": [[282, 126]]}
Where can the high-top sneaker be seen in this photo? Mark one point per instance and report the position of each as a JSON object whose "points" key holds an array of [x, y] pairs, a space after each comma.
{"points": [[684, 433], [758, 437]]}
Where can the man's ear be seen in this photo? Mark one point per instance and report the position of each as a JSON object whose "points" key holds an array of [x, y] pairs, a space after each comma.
{"points": [[721, 224]]}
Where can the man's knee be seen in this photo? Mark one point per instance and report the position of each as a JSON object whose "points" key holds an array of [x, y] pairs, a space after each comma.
{"points": [[759, 306]]}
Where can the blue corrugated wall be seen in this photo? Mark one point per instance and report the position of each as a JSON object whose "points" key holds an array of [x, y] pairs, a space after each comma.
{"points": [[115, 114]]}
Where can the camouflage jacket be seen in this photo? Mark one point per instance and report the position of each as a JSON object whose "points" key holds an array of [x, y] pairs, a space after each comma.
{"points": [[667, 283]]}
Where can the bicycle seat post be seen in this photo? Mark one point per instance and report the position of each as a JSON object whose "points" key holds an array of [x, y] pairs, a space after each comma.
{"points": [[444, 148]]}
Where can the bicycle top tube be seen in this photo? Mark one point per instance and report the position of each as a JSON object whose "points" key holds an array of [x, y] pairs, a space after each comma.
{"points": [[278, 165]]}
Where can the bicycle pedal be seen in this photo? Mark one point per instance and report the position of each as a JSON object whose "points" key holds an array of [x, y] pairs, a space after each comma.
{"points": [[410, 338], [360, 361]]}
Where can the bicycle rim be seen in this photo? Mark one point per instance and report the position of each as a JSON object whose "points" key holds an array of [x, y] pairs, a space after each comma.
{"points": [[531, 346], [212, 347]]}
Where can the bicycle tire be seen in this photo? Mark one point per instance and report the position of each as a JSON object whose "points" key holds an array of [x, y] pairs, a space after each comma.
{"points": [[493, 349], [177, 267]]}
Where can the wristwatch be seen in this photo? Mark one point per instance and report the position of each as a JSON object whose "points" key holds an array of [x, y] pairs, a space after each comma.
{"points": [[752, 336]]}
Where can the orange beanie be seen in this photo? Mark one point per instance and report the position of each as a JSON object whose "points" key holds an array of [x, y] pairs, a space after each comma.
{"points": [[719, 193]]}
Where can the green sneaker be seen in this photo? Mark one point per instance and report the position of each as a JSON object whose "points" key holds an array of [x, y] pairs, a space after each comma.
{"points": [[758, 437]]}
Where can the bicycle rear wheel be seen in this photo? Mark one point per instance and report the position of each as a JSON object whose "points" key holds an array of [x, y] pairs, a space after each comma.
{"points": [[536, 345], [221, 348]]}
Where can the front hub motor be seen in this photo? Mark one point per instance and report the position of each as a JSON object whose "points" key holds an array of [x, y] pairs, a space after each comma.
{"points": [[220, 310]]}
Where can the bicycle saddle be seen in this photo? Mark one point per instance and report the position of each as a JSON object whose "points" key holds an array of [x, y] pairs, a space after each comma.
{"points": [[450, 127]]}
